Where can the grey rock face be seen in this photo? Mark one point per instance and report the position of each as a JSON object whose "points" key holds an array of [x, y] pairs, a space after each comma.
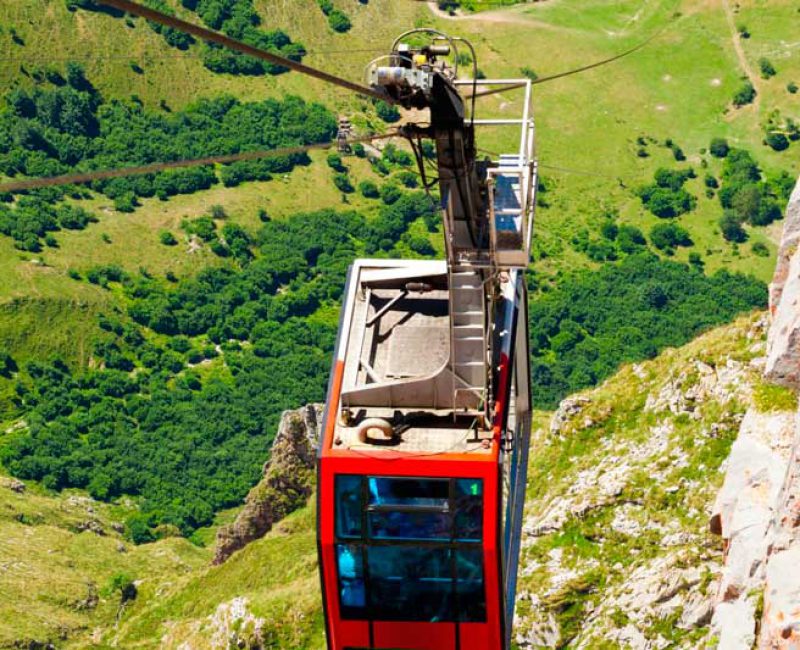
{"points": [[783, 351], [286, 485], [758, 510]]}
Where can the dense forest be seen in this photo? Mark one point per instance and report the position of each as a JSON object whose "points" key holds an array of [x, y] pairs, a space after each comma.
{"points": [[66, 126], [593, 321], [192, 376]]}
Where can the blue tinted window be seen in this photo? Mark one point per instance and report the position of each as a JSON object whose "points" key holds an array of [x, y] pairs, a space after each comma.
{"points": [[408, 492], [469, 584], [352, 590], [410, 584], [395, 524], [469, 510], [348, 506]]}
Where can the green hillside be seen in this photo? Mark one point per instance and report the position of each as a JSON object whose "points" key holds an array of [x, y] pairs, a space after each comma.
{"points": [[275, 583], [177, 308]]}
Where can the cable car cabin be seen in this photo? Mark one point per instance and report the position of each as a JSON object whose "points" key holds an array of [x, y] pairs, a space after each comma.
{"points": [[422, 459]]}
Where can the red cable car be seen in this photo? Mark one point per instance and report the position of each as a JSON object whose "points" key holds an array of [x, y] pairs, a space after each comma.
{"points": [[425, 436]]}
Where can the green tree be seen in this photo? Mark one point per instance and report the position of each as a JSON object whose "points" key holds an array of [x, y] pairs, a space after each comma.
{"points": [[732, 229], [339, 21], [744, 95], [766, 67], [368, 189], [390, 193], [668, 236], [387, 112], [167, 238], [719, 147], [777, 141]]}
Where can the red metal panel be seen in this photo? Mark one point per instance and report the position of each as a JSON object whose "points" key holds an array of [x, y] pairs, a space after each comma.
{"points": [[415, 636], [479, 636]]}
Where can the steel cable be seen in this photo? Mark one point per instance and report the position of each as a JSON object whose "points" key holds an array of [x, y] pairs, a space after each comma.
{"points": [[231, 43], [88, 177]]}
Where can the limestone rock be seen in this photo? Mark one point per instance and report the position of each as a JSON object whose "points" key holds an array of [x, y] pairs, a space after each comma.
{"points": [[13, 484], [787, 250], [758, 509], [568, 409], [285, 486], [780, 627], [783, 347]]}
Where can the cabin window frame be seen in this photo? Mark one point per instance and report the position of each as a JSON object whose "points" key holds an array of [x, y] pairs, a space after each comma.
{"points": [[456, 547]]}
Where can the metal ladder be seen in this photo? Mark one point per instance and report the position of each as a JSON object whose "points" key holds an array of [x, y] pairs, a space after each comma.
{"points": [[468, 347]]}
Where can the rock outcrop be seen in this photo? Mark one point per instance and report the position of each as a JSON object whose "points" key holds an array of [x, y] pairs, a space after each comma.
{"points": [[286, 485], [616, 551], [757, 512]]}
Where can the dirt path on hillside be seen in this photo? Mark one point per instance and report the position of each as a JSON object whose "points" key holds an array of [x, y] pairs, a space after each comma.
{"points": [[495, 16], [737, 46]]}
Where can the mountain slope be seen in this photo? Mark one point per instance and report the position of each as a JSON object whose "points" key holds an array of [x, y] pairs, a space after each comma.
{"points": [[622, 479]]}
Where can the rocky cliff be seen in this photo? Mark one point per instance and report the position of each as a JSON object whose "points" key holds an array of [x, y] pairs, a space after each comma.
{"points": [[757, 512], [287, 482], [623, 478]]}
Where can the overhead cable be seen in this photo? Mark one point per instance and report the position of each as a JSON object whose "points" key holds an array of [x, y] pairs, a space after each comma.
{"points": [[88, 177], [583, 68], [238, 46]]}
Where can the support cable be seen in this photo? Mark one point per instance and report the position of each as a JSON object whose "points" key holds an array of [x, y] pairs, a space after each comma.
{"points": [[88, 177], [226, 41], [568, 73]]}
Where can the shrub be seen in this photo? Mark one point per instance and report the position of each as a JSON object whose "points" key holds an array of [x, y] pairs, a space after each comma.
{"points": [[218, 212], [745, 95], [719, 147], [766, 67], [126, 202], [667, 198], [7, 363], [387, 112], [334, 161], [792, 87], [342, 183], [630, 239], [390, 193], [711, 181], [760, 249], [777, 141], [609, 230], [743, 31], [203, 227], [407, 179], [667, 236], [528, 72], [339, 21], [359, 150], [420, 245], [732, 229], [696, 262], [368, 189], [167, 238]]}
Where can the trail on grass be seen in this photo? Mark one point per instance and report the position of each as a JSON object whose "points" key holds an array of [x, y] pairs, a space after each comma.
{"points": [[737, 46], [494, 16]]}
